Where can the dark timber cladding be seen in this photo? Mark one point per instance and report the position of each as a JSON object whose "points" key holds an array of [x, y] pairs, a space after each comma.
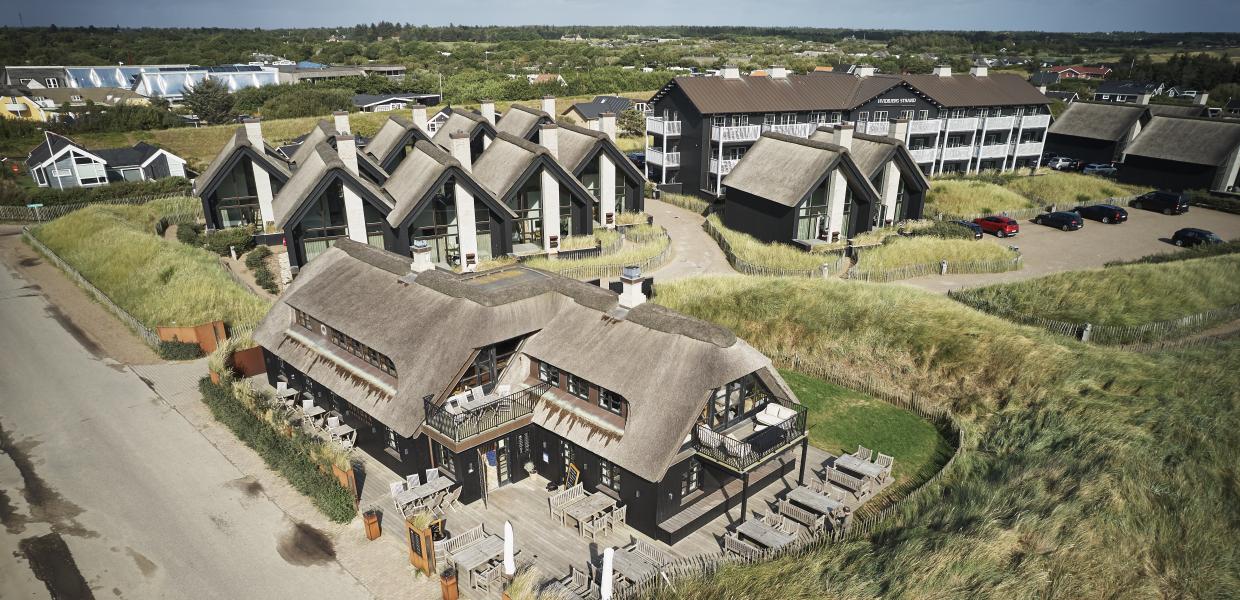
{"points": [[1181, 153], [621, 392], [1096, 131]]}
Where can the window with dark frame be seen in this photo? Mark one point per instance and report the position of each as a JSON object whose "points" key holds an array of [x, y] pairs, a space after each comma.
{"points": [[609, 475], [611, 401], [691, 479], [548, 374], [578, 387]]}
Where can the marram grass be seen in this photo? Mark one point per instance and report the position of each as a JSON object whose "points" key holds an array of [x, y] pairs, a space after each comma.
{"points": [[1069, 189], [768, 255], [158, 281], [922, 250], [1087, 472], [963, 197]]}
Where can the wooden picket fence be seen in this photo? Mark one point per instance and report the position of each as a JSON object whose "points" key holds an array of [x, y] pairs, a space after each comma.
{"points": [[922, 270], [611, 271], [47, 213], [872, 517], [743, 266], [147, 334], [1141, 335]]}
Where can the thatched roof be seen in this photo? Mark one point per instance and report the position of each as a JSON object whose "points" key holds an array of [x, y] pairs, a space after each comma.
{"points": [[394, 134], [414, 180], [522, 121], [1108, 121], [784, 169], [430, 325], [461, 121], [1197, 141], [265, 157], [320, 161], [579, 145]]}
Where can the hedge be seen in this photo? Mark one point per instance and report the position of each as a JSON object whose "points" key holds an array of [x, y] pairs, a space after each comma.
{"points": [[290, 456], [15, 195]]}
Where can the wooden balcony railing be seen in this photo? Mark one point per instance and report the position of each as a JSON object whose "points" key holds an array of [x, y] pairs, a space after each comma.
{"points": [[741, 455], [462, 425]]}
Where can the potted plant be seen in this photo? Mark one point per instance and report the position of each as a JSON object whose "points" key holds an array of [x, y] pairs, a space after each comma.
{"points": [[529, 467], [447, 583]]}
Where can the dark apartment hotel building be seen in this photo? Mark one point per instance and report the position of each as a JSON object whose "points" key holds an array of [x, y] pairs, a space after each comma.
{"points": [[702, 126]]}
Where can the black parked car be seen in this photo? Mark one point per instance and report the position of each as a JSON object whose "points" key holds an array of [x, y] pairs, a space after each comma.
{"points": [[1191, 236], [1067, 221], [1168, 203], [638, 159], [1107, 213], [974, 227]]}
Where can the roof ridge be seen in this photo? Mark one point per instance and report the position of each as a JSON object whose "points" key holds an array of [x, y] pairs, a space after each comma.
{"points": [[524, 108], [807, 142], [582, 130], [523, 143]]}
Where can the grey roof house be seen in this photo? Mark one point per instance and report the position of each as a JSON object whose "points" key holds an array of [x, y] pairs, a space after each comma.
{"points": [[59, 162], [1096, 131], [631, 400], [1182, 153]]}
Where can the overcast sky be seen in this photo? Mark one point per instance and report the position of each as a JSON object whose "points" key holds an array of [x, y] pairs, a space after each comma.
{"points": [[1046, 15]]}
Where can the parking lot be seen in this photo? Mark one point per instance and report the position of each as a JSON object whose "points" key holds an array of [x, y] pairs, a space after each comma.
{"points": [[1048, 250]]}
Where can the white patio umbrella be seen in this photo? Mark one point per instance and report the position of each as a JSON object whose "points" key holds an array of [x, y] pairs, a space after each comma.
{"points": [[510, 563], [605, 584]]}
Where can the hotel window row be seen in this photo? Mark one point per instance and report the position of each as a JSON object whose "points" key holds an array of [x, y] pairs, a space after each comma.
{"points": [[358, 349], [607, 399]]}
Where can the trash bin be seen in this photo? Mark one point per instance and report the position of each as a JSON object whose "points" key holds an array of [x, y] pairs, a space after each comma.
{"points": [[448, 585], [371, 518]]}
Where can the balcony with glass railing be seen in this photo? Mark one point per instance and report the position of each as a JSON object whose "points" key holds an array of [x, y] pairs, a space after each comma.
{"points": [[724, 167], [659, 126], [877, 127], [925, 126], [1035, 121], [958, 153], [1000, 122], [802, 130], [1028, 148], [962, 124], [735, 133], [655, 156], [992, 151]]}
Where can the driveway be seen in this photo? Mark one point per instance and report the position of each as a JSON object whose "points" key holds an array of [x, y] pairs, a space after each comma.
{"points": [[107, 491], [1048, 250], [693, 251]]}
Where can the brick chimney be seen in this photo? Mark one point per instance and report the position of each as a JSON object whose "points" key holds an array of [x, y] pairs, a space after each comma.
{"points": [[864, 71], [1143, 98], [631, 295], [607, 124], [342, 121], [262, 180], [354, 209], [843, 135], [731, 73], [419, 116], [459, 142], [488, 110], [1042, 90], [548, 105], [593, 125], [979, 71], [899, 129]]}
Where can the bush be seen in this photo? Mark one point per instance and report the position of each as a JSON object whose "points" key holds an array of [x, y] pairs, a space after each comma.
{"points": [[1066, 190], [266, 279], [113, 191], [290, 456], [190, 233], [307, 103], [178, 350], [257, 257], [220, 240]]}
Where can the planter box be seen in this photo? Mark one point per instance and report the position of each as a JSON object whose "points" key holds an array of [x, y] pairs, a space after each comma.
{"points": [[249, 362]]}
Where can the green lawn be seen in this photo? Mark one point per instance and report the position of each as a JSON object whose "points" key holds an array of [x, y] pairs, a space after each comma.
{"points": [[840, 419]]}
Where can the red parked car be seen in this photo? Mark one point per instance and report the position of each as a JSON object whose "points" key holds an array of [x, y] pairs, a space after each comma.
{"points": [[1000, 226]]}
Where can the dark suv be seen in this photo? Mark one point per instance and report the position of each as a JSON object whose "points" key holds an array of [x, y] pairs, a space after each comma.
{"points": [[1107, 213], [1191, 236], [1168, 203], [1067, 221]]}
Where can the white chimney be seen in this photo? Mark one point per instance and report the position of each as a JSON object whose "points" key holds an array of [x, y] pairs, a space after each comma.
{"points": [[607, 124], [899, 130], [1201, 99], [943, 71], [1143, 99], [461, 150], [1042, 90], [488, 110], [864, 71], [548, 105], [731, 73], [342, 121], [593, 124], [421, 257], [978, 71], [549, 137], [346, 147], [632, 296], [254, 133], [777, 72], [419, 116], [843, 135]]}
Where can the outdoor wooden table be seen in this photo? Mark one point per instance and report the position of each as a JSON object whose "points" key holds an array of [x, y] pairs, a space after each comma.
{"points": [[632, 566], [420, 493], [478, 554], [342, 431], [764, 534], [813, 500], [596, 504], [859, 466]]}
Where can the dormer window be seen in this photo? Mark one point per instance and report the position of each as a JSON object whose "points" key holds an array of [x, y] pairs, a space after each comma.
{"points": [[548, 374], [578, 387], [610, 401]]}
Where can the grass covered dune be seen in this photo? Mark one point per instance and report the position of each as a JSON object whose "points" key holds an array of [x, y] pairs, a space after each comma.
{"points": [[962, 197], [904, 252], [158, 281], [1124, 295], [1087, 472]]}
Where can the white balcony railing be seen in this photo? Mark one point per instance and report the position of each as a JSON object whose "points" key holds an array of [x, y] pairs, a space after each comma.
{"points": [[1029, 148], [958, 153], [877, 127], [923, 155], [801, 130], [738, 133], [657, 157], [992, 151], [962, 124], [658, 126], [15, 107], [1035, 121], [1000, 122], [923, 126], [725, 167]]}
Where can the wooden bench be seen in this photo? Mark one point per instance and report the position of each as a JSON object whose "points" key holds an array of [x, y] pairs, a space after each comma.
{"points": [[734, 544], [858, 487], [445, 548], [810, 520], [560, 501], [649, 553]]}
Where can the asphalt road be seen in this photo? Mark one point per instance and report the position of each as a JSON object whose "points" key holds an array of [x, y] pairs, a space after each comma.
{"points": [[107, 492], [1047, 250]]}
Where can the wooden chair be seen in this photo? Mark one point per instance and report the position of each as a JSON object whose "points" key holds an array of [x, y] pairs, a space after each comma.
{"points": [[452, 500], [395, 488], [333, 421], [593, 527], [413, 480], [617, 516], [432, 475], [560, 501], [886, 462], [863, 453], [810, 520], [859, 487]]}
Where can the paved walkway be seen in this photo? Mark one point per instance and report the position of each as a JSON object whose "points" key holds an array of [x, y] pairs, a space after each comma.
{"points": [[693, 251]]}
